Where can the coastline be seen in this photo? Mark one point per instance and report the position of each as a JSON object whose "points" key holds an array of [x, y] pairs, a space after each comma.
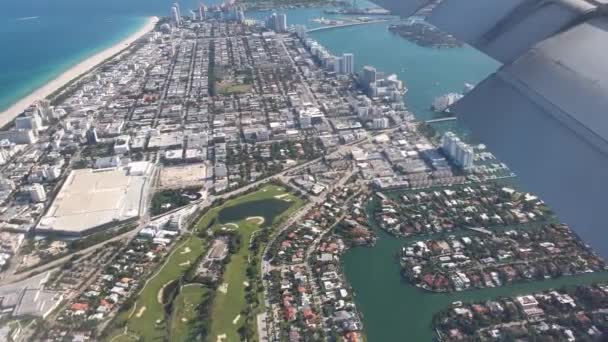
{"points": [[74, 72]]}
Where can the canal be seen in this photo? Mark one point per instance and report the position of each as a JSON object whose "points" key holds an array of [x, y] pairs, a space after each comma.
{"points": [[394, 310]]}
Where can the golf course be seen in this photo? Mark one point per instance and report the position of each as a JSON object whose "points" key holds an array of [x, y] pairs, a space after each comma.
{"points": [[154, 316]]}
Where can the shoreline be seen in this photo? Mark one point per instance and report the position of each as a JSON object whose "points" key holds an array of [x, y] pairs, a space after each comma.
{"points": [[72, 73]]}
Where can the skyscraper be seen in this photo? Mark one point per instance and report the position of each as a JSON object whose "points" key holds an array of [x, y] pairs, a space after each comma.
{"points": [[301, 31], [202, 12], [175, 15], [277, 22], [369, 75], [368, 79], [271, 22], [338, 64], [239, 15], [281, 22], [347, 64], [459, 152], [91, 136], [179, 12], [36, 192]]}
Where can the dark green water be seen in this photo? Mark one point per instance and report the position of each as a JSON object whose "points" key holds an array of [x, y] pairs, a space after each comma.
{"points": [[395, 310], [267, 208]]}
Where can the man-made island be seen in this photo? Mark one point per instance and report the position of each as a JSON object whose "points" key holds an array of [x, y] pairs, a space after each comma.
{"points": [[425, 35]]}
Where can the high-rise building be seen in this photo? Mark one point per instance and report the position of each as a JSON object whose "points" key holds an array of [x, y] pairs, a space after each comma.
{"points": [[281, 23], [202, 12], [349, 64], [179, 12], [19, 136], [270, 22], [277, 22], [28, 122], [239, 15], [301, 31], [380, 123], [92, 137], [369, 76], [36, 192], [459, 152], [337, 64], [468, 156], [177, 20]]}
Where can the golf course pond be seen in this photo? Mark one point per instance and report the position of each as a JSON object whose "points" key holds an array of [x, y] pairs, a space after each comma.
{"points": [[267, 208]]}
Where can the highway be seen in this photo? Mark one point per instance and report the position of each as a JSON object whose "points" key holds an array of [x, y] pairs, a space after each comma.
{"points": [[449, 118]]}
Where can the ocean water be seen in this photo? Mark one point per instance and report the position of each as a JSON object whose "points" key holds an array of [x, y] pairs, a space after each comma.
{"points": [[40, 39]]}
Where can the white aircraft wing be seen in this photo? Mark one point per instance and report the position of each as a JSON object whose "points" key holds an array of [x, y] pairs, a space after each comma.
{"points": [[545, 111]]}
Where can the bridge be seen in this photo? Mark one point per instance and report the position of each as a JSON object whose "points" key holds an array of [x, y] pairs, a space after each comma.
{"points": [[449, 118], [323, 28]]}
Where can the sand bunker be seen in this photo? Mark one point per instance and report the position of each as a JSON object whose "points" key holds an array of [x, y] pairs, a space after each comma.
{"points": [[186, 250], [140, 312], [236, 319], [259, 220], [159, 295], [187, 263], [284, 197], [223, 288], [230, 224]]}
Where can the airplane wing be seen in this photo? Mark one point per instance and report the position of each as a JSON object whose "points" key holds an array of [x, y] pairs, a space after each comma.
{"points": [[545, 111]]}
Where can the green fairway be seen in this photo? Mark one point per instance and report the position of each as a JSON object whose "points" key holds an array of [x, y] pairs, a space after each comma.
{"points": [[228, 305], [142, 317], [184, 310]]}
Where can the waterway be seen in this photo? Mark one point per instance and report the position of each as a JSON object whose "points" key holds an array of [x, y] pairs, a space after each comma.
{"points": [[395, 310]]}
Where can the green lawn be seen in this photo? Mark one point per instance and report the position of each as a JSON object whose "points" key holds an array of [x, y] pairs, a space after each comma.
{"points": [[229, 88], [184, 310]]}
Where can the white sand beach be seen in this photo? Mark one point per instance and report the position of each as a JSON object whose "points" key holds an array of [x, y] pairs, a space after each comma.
{"points": [[78, 70]]}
